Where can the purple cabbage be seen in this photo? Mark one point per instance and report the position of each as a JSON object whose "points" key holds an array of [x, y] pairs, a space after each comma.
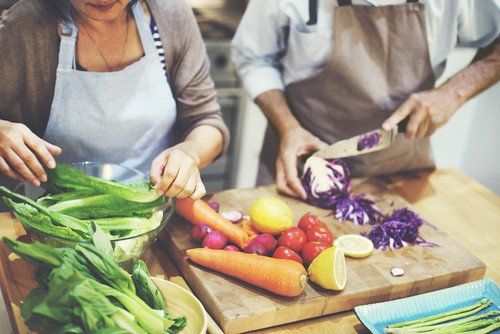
{"points": [[324, 180], [327, 184], [368, 141], [397, 230], [358, 209]]}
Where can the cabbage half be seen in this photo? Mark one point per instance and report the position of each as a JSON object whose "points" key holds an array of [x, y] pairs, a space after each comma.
{"points": [[325, 180]]}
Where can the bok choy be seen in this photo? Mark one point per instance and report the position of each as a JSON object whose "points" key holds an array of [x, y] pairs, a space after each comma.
{"points": [[82, 290]]}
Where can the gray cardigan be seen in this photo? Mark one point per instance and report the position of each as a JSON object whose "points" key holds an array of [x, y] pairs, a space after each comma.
{"points": [[29, 56]]}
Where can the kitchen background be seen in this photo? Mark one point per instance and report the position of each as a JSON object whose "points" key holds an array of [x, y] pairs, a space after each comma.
{"points": [[469, 142]]}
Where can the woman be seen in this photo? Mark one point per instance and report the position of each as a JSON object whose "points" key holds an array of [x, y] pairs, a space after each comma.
{"points": [[118, 81]]}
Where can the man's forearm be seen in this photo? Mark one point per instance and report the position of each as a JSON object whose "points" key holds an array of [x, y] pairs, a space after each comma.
{"points": [[483, 72], [275, 107]]}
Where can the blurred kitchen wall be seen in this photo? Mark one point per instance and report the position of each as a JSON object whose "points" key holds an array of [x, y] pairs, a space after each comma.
{"points": [[469, 142]]}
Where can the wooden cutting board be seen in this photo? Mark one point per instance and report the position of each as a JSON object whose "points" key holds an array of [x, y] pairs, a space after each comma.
{"points": [[239, 307]]}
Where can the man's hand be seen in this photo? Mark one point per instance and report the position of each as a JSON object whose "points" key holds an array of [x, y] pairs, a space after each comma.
{"points": [[22, 153], [294, 143], [427, 111]]}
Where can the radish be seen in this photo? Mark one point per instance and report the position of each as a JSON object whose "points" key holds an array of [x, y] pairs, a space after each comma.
{"points": [[256, 248], [266, 240], [215, 240], [232, 248], [234, 216], [198, 232], [214, 205]]}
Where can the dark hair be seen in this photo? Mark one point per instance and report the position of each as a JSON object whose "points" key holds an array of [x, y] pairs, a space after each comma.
{"points": [[56, 7]]}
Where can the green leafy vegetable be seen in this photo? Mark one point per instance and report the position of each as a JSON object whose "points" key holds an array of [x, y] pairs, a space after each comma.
{"points": [[121, 209], [65, 177], [147, 291], [83, 291], [56, 218]]}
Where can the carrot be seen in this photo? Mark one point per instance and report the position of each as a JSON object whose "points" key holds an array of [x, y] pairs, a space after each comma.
{"points": [[197, 212], [248, 227], [283, 277]]}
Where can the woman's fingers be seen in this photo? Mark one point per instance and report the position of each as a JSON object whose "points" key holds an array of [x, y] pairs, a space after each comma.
{"points": [[5, 168], [176, 175]]}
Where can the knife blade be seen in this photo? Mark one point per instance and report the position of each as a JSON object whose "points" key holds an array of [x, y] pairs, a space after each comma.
{"points": [[371, 141], [367, 142]]}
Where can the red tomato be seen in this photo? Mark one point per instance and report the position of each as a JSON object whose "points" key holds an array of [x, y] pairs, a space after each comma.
{"points": [[311, 250], [293, 238], [320, 233], [309, 220], [286, 253]]}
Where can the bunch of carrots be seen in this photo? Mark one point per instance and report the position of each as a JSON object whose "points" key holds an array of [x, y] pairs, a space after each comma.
{"points": [[283, 277]]}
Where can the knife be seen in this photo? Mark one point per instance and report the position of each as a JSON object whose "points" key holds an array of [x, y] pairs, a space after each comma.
{"points": [[367, 142]]}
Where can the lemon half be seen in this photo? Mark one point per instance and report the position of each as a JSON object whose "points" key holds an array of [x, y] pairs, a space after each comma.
{"points": [[328, 269], [354, 245]]}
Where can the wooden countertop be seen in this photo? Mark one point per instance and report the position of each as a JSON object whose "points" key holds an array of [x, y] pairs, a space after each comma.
{"points": [[460, 206]]}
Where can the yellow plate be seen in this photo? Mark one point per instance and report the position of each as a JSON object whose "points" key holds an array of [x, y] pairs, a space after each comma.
{"points": [[181, 302]]}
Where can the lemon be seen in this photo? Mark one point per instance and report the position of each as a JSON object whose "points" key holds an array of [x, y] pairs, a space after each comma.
{"points": [[328, 269], [271, 215], [354, 245]]}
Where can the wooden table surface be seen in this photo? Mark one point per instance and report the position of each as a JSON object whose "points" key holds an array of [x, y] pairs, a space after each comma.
{"points": [[457, 204]]}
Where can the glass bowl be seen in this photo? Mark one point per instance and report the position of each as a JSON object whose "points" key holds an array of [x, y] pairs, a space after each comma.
{"points": [[126, 250]]}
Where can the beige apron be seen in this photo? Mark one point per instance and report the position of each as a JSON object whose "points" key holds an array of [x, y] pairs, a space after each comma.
{"points": [[380, 56]]}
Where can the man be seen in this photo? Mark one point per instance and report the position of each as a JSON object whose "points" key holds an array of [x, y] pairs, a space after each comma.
{"points": [[326, 70]]}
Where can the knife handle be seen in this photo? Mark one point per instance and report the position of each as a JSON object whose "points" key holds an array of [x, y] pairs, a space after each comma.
{"points": [[402, 125]]}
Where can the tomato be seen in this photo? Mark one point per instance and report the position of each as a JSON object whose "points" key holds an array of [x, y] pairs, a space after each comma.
{"points": [[286, 253], [320, 233], [309, 220], [293, 238], [311, 250]]}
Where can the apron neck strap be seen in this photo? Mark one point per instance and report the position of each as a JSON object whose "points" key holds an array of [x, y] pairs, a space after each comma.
{"points": [[313, 12], [349, 2], [313, 9]]}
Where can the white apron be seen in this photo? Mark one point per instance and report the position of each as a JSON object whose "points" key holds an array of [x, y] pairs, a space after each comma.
{"points": [[124, 117]]}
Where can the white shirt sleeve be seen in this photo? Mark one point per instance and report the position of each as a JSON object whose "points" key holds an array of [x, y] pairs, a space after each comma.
{"points": [[257, 47], [478, 22]]}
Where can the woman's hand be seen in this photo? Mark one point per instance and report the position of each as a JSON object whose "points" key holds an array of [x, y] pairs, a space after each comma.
{"points": [[22, 153], [294, 143], [176, 171]]}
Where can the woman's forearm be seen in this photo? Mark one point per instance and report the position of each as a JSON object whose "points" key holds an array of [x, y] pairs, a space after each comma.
{"points": [[204, 144]]}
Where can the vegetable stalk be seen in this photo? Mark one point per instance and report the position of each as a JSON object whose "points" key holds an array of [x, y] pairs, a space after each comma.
{"points": [[446, 323]]}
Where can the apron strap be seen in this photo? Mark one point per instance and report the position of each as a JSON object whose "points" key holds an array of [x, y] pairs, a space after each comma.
{"points": [[67, 59], [313, 9], [349, 3], [313, 12], [144, 32]]}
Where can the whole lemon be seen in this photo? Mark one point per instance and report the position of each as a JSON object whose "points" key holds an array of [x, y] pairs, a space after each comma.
{"points": [[271, 215]]}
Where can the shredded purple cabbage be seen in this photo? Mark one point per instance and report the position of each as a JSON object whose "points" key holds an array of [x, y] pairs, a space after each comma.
{"points": [[368, 141], [398, 230], [327, 184], [358, 209]]}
